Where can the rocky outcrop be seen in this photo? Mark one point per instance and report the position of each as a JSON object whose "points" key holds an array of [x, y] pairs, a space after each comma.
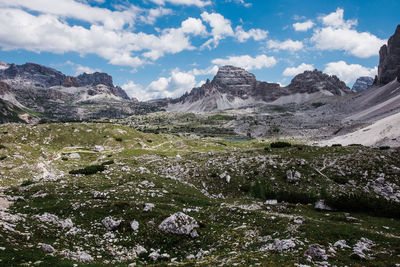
{"points": [[362, 83], [233, 87], [94, 79], [389, 59], [4, 88], [316, 81], [34, 75]]}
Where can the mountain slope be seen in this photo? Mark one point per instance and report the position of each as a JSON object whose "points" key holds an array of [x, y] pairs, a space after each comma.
{"points": [[234, 87]]}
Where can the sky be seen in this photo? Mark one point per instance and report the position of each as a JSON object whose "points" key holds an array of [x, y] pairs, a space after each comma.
{"points": [[164, 48]]}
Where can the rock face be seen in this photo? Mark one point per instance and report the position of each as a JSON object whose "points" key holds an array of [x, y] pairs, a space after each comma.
{"points": [[315, 81], [35, 75], [362, 83], [389, 59], [233, 87]]}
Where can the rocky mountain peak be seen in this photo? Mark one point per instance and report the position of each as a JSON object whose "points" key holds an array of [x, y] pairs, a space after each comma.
{"points": [[315, 81], [234, 77], [389, 59], [362, 83], [95, 78]]}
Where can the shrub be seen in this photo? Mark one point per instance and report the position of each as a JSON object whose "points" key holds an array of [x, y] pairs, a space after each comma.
{"points": [[280, 144], [384, 147], [64, 158], [363, 202], [3, 157], [2, 147], [88, 170], [317, 104], [27, 182], [118, 139], [336, 145]]}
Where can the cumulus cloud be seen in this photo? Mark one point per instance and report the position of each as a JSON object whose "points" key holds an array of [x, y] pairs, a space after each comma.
{"points": [[303, 26], [221, 28], [349, 72], [198, 3], [152, 14], [285, 45], [256, 34], [292, 71], [79, 69], [338, 34], [77, 10], [45, 32], [247, 62]]}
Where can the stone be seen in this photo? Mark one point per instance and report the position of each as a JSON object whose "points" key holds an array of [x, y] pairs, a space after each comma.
{"points": [[148, 207], [179, 223], [279, 245], [293, 177], [341, 244], [321, 205], [316, 251], [53, 219], [74, 156], [135, 225], [361, 247], [110, 223], [46, 248]]}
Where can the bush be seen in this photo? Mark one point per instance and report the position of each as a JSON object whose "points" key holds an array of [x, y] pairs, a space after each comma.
{"points": [[2, 147], [317, 104], [336, 145], [88, 170], [3, 157], [27, 182], [363, 202], [384, 147], [118, 139], [280, 144]]}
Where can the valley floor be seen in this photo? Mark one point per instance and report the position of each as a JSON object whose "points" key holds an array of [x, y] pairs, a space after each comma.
{"points": [[104, 194]]}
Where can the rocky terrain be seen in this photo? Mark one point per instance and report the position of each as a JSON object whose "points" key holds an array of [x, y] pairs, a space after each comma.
{"points": [[362, 83], [104, 194], [389, 59], [56, 97], [233, 87]]}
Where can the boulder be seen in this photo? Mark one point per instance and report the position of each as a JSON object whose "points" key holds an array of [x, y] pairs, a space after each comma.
{"points": [[321, 205], [179, 223], [316, 251], [110, 223]]}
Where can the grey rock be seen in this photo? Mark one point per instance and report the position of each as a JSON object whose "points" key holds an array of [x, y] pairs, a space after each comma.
{"points": [[279, 245], [148, 206], [110, 223], [46, 248], [362, 83], [389, 59], [179, 223], [321, 205], [293, 177], [135, 225], [361, 247], [316, 251]]}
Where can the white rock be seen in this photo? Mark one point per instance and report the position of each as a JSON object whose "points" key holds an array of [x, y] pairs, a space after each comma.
{"points": [[341, 244], [53, 219], [74, 156], [271, 202], [110, 223], [321, 205], [179, 223], [46, 247], [139, 250], [362, 246], [148, 207], [135, 225], [279, 245]]}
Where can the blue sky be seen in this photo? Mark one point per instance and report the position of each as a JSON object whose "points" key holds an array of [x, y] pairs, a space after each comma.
{"points": [[163, 48]]}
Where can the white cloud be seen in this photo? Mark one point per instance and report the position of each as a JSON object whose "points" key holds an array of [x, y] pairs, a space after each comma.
{"points": [[339, 35], [292, 71], [349, 72], [212, 70], [247, 62], [74, 9], [303, 26], [136, 90], [241, 2], [79, 69], [285, 45], [152, 14], [198, 3], [44, 32], [221, 28], [256, 34], [336, 20]]}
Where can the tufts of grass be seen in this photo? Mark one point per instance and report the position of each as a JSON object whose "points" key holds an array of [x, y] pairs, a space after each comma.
{"points": [[280, 144]]}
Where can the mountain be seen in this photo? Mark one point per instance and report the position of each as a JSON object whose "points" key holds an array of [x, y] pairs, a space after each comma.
{"points": [[389, 59], [60, 97], [362, 83], [234, 87]]}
